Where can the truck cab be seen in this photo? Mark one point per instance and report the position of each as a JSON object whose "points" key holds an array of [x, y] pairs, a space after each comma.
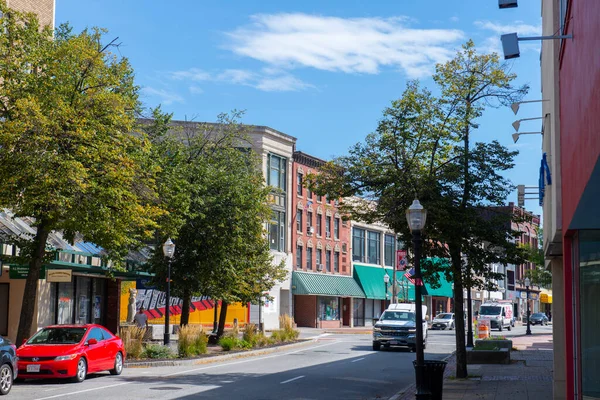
{"points": [[397, 327]]}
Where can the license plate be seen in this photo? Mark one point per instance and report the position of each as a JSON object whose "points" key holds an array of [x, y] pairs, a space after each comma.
{"points": [[33, 368], [393, 342]]}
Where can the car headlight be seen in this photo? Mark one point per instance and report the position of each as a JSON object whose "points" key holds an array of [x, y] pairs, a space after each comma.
{"points": [[65, 358], [376, 329]]}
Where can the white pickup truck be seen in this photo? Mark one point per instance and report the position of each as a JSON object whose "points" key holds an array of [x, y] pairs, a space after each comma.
{"points": [[397, 327]]}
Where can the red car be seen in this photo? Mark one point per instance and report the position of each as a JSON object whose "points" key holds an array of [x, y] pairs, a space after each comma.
{"points": [[70, 351]]}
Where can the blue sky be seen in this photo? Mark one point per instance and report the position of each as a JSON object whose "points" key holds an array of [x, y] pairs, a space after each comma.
{"points": [[320, 71]]}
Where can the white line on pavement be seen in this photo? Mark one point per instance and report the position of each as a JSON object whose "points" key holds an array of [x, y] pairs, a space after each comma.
{"points": [[84, 391], [293, 379], [358, 359]]}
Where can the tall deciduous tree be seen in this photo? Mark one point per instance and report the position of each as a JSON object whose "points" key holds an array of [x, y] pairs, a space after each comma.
{"points": [[221, 247], [423, 148], [67, 158]]}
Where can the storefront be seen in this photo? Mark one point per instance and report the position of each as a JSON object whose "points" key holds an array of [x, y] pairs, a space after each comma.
{"points": [[324, 300]]}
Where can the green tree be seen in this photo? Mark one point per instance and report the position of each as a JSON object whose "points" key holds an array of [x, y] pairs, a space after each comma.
{"points": [[539, 275], [221, 247], [423, 148], [67, 160]]}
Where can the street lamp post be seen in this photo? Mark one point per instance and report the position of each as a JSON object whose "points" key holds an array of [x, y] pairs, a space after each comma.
{"points": [[527, 282], [416, 215], [386, 280], [168, 251]]}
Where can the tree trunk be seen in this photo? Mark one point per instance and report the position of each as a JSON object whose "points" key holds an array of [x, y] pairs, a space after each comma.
{"points": [[31, 284], [459, 313], [222, 317], [185, 307]]}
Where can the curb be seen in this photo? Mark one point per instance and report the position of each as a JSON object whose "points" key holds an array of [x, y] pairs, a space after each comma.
{"points": [[215, 358]]}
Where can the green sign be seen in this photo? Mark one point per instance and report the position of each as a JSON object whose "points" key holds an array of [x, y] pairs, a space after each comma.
{"points": [[22, 271]]}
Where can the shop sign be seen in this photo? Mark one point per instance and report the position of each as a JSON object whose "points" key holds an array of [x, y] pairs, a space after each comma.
{"points": [[59, 275], [22, 271]]}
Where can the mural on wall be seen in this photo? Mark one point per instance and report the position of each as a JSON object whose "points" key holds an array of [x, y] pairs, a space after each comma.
{"points": [[153, 300]]}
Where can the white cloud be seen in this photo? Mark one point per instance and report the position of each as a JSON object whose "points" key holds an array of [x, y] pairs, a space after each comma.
{"points": [[454, 19], [351, 45], [269, 80], [196, 90], [165, 97], [518, 27]]}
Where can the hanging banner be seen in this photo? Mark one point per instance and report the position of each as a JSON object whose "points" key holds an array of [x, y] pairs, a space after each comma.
{"points": [[400, 260]]}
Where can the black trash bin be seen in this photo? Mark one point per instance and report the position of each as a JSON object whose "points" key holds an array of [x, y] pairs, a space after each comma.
{"points": [[433, 377]]}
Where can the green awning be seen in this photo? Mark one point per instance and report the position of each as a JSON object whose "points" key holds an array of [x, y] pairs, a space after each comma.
{"points": [[407, 289], [371, 281], [325, 285]]}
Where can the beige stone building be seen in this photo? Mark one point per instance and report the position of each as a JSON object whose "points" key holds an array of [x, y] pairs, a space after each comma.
{"points": [[44, 9]]}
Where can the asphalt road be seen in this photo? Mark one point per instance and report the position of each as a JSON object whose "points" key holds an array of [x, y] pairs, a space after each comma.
{"points": [[332, 367]]}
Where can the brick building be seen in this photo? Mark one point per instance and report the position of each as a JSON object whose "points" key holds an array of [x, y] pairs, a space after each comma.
{"points": [[44, 9], [322, 282]]}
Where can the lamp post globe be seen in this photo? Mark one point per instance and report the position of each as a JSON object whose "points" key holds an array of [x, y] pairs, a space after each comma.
{"points": [[527, 283], [416, 216], [168, 251], [386, 280]]}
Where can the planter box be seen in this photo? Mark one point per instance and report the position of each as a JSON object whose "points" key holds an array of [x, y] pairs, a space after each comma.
{"points": [[500, 356], [500, 343]]}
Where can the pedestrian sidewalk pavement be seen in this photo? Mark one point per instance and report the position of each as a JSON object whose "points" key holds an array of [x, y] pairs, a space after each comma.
{"points": [[527, 377]]}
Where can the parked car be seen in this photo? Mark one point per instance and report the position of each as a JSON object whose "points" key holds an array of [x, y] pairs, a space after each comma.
{"points": [[70, 351], [8, 365], [538, 318], [443, 321], [398, 327]]}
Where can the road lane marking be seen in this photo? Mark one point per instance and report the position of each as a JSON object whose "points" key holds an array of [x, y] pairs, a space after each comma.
{"points": [[293, 379], [83, 391], [358, 359]]}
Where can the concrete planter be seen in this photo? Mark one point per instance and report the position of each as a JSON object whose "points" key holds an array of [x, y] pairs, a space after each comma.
{"points": [[499, 356]]}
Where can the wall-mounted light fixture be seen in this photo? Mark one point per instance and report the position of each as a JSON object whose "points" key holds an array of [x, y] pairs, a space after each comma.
{"points": [[515, 106], [510, 43], [517, 123], [507, 4], [515, 136]]}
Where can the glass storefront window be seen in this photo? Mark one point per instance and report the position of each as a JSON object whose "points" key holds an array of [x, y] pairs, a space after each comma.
{"points": [[66, 303], [82, 314], [329, 308], [589, 307]]}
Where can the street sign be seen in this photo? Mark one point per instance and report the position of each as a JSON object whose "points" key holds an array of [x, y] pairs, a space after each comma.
{"points": [[400, 260]]}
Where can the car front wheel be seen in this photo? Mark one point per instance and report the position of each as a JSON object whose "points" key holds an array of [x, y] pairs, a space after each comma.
{"points": [[6, 379], [376, 346], [81, 371]]}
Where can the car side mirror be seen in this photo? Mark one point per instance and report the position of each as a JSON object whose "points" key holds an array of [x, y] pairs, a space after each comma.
{"points": [[92, 342]]}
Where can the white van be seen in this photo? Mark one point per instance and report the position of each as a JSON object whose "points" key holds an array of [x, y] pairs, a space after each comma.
{"points": [[500, 314], [397, 327]]}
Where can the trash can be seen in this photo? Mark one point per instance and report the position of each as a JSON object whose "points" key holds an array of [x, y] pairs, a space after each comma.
{"points": [[433, 377]]}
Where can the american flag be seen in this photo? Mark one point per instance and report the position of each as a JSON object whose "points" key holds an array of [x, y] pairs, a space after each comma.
{"points": [[409, 274]]}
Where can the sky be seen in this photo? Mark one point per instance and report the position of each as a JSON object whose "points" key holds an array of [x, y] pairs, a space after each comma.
{"points": [[321, 71]]}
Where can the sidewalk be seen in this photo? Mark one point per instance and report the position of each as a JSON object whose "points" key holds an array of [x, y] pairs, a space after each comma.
{"points": [[529, 376]]}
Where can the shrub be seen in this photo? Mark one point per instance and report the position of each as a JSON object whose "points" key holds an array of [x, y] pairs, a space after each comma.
{"points": [[132, 337], [250, 335], [227, 343], [262, 340], [287, 333], [192, 341], [158, 351]]}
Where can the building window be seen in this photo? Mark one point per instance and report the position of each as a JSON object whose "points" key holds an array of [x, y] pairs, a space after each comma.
{"points": [[319, 198], [299, 257], [309, 227], [319, 233], [389, 250], [319, 260], [336, 228], [299, 183], [358, 244], [309, 266], [336, 262], [277, 231], [309, 195], [328, 226], [299, 221], [328, 260], [277, 168], [329, 308], [374, 247]]}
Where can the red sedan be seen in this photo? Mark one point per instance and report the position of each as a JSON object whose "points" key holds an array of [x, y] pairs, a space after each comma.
{"points": [[70, 351]]}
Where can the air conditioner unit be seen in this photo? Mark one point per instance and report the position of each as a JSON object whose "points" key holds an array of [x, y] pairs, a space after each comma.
{"points": [[311, 230], [328, 234], [319, 267]]}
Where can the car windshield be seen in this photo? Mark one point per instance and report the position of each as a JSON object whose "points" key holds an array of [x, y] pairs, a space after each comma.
{"points": [[490, 310], [444, 316], [538, 315], [58, 336], [398, 316]]}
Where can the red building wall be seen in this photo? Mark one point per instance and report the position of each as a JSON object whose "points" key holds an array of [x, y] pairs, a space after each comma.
{"points": [[305, 311], [579, 102]]}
